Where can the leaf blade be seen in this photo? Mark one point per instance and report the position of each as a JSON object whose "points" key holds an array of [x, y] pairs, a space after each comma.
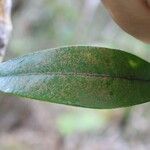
{"points": [[81, 76]]}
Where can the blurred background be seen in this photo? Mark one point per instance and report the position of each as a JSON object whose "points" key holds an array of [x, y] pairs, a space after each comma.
{"points": [[35, 125]]}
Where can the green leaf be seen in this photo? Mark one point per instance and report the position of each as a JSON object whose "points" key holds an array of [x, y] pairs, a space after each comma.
{"points": [[83, 76]]}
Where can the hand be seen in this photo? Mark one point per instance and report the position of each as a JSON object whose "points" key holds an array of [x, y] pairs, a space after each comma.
{"points": [[133, 16]]}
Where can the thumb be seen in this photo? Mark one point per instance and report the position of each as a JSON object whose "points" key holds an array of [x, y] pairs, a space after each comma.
{"points": [[133, 16]]}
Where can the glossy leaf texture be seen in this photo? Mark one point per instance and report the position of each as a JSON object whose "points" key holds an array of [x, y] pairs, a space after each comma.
{"points": [[85, 76]]}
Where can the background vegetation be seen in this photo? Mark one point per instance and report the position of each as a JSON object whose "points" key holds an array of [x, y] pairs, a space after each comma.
{"points": [[29, 125]]}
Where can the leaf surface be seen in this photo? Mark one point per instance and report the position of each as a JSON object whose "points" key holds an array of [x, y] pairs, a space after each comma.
{"points": [[85, 76]]}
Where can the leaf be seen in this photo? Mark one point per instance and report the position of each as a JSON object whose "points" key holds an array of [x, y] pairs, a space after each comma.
{"points": [[83, 76]]}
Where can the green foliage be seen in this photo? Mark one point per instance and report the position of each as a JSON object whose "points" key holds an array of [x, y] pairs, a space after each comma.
{"points": [[84, 121], [83, 76]]}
